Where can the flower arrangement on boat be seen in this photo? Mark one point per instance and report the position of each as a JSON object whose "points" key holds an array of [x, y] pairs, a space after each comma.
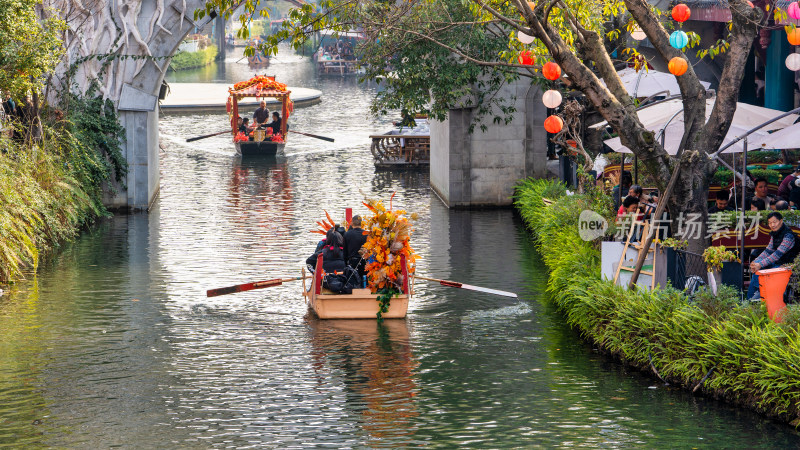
{"points": [[240, 137], [261, 82], [277, 138], [388, 232]]}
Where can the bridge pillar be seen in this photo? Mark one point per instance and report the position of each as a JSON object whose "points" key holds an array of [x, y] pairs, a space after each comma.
{"points": [[481, 169]]}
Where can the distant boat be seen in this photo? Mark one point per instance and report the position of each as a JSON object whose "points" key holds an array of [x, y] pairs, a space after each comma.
{"points": [[258, 142]]}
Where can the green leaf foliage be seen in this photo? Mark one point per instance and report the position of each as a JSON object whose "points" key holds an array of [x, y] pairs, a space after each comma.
{"points": [[756, 362], [29, 47]]}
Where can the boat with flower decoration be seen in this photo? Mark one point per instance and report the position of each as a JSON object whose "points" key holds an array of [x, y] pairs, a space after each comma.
{"points": [[390, 269], [259, 142]]}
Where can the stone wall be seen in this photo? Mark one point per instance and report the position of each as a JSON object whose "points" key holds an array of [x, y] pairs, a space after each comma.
{"points": [[481, 169]]}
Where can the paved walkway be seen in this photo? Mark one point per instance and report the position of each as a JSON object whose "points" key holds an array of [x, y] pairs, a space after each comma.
{"points": [[193, 98]]}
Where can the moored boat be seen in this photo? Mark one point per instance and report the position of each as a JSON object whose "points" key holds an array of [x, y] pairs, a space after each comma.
{"points": [[259, 142]]}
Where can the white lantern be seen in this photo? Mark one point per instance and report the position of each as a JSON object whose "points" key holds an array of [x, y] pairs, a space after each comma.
{"points": [[638, 34], [524, 38], [793, 62], [551, 98]]}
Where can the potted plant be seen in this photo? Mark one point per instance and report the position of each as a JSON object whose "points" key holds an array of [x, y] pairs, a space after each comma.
{"points": [[718, 260], [676, 261]]}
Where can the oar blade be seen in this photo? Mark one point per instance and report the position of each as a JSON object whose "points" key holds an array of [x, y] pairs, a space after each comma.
{"points": [[243, 287], [488, 291]]}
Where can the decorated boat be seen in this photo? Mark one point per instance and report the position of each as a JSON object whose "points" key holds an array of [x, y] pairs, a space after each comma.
{"points": [[259, 142], [390, 269]]}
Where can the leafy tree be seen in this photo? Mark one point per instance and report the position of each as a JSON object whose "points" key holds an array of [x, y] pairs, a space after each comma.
{"points": [[470, 47], [29, 47]]}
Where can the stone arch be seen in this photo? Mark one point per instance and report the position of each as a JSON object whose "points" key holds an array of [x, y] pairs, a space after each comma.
{"points": [[140, 36]]}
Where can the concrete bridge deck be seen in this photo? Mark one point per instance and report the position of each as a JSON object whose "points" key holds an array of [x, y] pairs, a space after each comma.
{"points": [[194, 98]]}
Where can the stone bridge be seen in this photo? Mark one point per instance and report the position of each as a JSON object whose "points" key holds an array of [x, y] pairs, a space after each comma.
{"points": [[139, 38]]}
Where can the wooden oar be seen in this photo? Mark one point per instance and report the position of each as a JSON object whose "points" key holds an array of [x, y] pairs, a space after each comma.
{"points": [[197, 138], [249, 286], [312, 135], [456, 284]]}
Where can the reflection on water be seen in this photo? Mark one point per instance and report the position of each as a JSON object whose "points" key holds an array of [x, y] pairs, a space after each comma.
{"points": [[375, 363], [115, 343]]}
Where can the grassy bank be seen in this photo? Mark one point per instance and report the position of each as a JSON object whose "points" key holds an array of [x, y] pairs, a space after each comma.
{"points": [[755, 362], [192, 60], [51, 187]]}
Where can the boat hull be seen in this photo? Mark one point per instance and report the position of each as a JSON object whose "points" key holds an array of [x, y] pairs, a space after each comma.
{"points": [[361, 304], [256, 148]]}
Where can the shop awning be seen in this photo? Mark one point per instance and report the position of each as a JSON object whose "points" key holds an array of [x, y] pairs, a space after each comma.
{"points": [[747, 117]]}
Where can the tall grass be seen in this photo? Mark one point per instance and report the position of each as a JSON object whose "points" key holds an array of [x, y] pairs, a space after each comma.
{"points": [[756, 363]]}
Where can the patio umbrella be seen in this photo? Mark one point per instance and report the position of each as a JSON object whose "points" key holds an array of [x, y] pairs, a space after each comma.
{"points": [[650, 82], [785, 138], [745, 118]]}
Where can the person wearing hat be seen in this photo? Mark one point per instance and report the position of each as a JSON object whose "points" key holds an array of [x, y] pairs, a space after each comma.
{"points": [[787, 184]]}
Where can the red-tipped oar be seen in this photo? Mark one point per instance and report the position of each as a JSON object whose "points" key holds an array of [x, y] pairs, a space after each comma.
{"points": [[249, 286], [456, 284]]}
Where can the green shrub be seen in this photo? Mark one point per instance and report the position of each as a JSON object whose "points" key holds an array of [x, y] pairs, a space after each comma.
{"points": [[192, 60], [52, 188], [756, 362], [724, 176]]}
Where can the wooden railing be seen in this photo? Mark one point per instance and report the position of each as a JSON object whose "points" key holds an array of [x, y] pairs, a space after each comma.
{"points": [[340, 66], [401, 150]]}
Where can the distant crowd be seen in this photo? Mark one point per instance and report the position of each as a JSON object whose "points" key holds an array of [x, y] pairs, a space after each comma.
{"points": [[630, 198], [343, 50]]}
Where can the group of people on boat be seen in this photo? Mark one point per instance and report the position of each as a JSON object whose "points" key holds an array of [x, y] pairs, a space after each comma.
{"points": [[260, 121], [341, 254]]}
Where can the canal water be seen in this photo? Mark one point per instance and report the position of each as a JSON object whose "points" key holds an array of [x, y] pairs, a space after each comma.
{"points": [[114, 343]]}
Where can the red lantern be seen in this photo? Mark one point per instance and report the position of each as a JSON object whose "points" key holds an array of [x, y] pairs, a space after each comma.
{"points": [[553, 124], [793, 36], [526, 58], [678, 66], [551, 71], [681, 13]]}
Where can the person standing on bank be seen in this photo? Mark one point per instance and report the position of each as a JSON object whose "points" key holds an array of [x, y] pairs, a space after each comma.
{"points": [[261, 115], [782, 249], [354, 239]]}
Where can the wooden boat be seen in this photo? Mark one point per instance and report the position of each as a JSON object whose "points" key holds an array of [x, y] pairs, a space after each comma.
{"points": [[260, 87], [361, 304], [258, 60], [258, 148]]}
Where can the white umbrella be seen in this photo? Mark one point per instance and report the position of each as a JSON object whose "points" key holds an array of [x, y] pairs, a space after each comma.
{"points": [[745, 118], [788, 137], [650, 82], [674, 133]]}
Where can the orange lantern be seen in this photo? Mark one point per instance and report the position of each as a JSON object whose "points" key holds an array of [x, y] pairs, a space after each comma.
{"points": [[793, 36], [681, 13], [526, 58], [553, 124], [678, 66], [531, 5], [551, 71]]}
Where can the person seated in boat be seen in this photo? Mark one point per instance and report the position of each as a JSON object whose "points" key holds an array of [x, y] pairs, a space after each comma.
{"points": [[354, 239], [275, 125], [783, 247], [244, 125], [332, 253], [261, 115]]}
